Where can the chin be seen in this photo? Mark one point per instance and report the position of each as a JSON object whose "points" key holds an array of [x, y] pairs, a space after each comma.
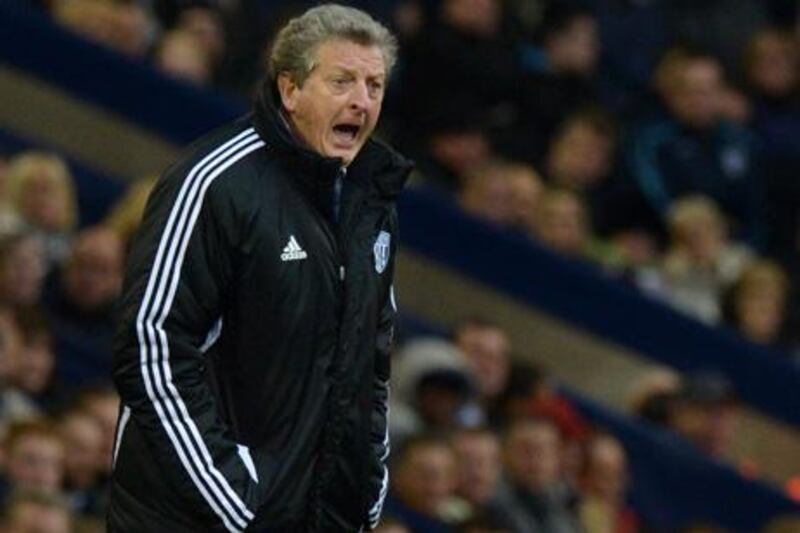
{"points": [[347, 156]]}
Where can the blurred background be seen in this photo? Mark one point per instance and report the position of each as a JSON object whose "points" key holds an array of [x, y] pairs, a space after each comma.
{"points": [[598, 280]]}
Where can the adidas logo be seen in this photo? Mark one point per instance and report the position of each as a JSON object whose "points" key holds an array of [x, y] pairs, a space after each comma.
{"points": [[292, 251]]}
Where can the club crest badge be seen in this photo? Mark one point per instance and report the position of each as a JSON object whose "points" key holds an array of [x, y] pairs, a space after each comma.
{"points": [[381, 250]]}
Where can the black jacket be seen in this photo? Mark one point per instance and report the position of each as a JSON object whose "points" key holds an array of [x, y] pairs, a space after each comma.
{"points": [[252, 351]]}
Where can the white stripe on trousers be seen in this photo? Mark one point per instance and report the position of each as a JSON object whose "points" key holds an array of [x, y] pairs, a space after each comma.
{"points": [[161, 390]]}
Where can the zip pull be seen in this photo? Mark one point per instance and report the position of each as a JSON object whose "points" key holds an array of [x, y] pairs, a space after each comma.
{"points": [[341, 272]]}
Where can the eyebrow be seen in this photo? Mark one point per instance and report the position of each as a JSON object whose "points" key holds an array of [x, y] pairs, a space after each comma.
{"points": [[353, 72]]}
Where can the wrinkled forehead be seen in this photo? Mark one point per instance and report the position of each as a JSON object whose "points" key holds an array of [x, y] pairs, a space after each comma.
{"points": [[349, 56]]}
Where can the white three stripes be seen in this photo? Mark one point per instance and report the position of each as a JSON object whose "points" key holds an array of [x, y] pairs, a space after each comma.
{"points": [[154, 349]]}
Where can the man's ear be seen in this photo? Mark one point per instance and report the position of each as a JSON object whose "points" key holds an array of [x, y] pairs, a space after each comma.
{"points": [[288, 90]]}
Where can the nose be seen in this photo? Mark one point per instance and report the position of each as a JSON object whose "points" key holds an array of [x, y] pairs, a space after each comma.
{"points": [[359, 97]]}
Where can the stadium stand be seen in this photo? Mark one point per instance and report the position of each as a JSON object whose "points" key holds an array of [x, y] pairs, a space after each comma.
{"points": [[673, 484]]}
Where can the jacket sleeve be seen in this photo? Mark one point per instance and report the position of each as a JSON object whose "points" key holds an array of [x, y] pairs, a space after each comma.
{"points": [[178, 271], [379, 435]]}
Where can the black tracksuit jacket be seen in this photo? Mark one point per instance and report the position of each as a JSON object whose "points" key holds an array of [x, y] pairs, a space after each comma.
{"points": [[252, 354]]}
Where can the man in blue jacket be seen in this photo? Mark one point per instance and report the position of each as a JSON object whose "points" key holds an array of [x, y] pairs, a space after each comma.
{"points": [[693, 149]]}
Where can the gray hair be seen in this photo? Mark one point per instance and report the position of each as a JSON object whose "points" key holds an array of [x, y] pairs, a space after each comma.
{"points": [[295, 46]]}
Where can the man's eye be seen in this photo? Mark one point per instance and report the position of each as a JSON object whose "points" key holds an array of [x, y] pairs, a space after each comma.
{"points": [[376, 87]]}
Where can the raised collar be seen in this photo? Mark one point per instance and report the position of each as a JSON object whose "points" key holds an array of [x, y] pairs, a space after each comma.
{"points": [[377, 168]]}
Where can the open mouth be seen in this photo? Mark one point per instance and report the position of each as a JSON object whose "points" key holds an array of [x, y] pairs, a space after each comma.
{"points": [[346, 133]]}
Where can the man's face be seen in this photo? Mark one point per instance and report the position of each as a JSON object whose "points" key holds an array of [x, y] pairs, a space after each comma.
{"points": [[83, 440], [426, 478], [581, 156], [94, 271], [486, 349], [531, 453], [337, 107], [606, 475], [478, 466], [36, 463], [694, 99], [31, 517]]}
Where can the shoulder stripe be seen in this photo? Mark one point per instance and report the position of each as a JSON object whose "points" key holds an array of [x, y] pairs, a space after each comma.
{"points": [[154, 347]]}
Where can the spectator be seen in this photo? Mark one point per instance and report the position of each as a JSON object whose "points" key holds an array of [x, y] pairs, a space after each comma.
{"points": [[124, 216], [530, 392], [581, 154], [31, 369], [771, 66], [758, 304], [391, 525], [423, 484], [701, 262], [692, 150], [465, 50], [478, 460], [208, 28], [14, 404], [604, 484], [502, 192], [41, 190], [33, 511], [723, 27], [651, 395], [92, 275], [181, 54], [487, 194], [434, 389], [535, 498], [34, 457], [122, 26], [527, 190], [22, 268], [526, 387], [486, 349], [560, 77], [581, 157], [563, 223], [634, 35], [705, 413], [454, 147], [564, 227], [83, 443], [80, 301], [102, 404]]}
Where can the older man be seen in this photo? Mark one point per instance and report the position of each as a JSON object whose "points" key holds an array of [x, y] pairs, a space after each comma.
{"points": [[252, 354]]}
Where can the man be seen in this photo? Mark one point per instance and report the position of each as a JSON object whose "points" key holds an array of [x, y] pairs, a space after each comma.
{"points": [[534, 497], [31, 511], [604, 483], [34, 457], [252, 355], [691, 148], [423, 484], [479, 466], [487, 351], [80, 298]]}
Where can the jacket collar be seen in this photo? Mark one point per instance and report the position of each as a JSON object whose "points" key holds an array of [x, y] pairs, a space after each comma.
{"points": [[377, 168]]}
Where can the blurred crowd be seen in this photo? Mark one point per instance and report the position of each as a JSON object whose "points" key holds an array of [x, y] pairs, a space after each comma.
{"points": [[483, 442], [59, 282], [657, 140], [654, 138]]}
